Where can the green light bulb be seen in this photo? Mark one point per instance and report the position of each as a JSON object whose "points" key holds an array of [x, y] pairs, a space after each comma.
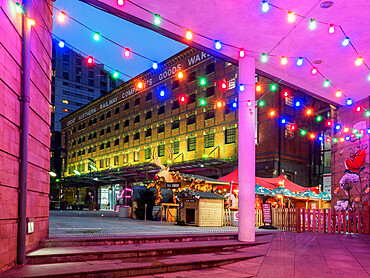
{"points": [[264, 58], [96, 36], [203, 81], [203, 102], [367, 114], [115, 74], [157, 19], [319, 118], [326, 83], [335, 140], [261, 103], [303, 132], [273, 87]]}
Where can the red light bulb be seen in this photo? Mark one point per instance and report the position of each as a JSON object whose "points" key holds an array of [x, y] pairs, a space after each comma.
{"points": [[358, 108], [90, 60], [182, 98], [329, 123], [223, 85], [293, 127]]}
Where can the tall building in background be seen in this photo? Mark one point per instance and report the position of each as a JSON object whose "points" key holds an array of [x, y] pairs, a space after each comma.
{"points": [[74, 84]]}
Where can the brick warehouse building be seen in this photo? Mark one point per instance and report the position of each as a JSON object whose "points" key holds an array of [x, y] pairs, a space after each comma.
{"points": [[117, 133]]}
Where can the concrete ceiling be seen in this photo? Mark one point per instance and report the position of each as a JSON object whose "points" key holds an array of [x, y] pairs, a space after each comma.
{"points": [[243, 24]]}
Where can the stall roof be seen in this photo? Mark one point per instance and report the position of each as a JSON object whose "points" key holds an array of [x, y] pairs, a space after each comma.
{"points": [[209, 195]]}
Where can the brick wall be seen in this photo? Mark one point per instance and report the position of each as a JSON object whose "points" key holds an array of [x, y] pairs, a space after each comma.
{"points": [[39, 139]]}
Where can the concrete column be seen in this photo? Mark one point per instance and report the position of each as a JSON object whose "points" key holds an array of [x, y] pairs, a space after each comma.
{"points": [[247, 155]]}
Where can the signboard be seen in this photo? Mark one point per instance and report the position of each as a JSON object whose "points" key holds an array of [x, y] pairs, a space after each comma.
{"points": [[266, 213], [190, 200], [172, 185], [104, 196]]}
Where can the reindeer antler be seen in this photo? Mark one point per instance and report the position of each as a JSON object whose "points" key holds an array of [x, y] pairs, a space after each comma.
{"points": [[156, 160], [170, 154]]}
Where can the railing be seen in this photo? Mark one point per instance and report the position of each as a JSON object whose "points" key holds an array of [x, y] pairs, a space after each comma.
{"points": [[319, 220]]}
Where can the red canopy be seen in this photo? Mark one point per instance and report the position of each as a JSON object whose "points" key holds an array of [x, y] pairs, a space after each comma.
{"points": [[269, 183]]}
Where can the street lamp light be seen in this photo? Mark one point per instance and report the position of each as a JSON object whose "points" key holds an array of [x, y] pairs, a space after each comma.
{"points": [[52, 174], [77, 172], [93, 167]]}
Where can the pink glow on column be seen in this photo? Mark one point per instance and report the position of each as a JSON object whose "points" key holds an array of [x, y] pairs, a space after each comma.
{"points": [[246, 128]]}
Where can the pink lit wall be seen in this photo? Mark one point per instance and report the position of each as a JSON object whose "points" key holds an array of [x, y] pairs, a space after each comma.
{"points": [[39, 138]]}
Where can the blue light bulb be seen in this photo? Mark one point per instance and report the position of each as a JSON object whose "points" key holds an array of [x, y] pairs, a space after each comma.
{"points": [[299, 61], [349, 102], [265, 6], [218, 45], [61, 44], [155, 65], [345, 42]]}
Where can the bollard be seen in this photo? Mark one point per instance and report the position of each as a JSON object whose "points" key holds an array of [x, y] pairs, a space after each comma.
{"points": [[145, 212]]}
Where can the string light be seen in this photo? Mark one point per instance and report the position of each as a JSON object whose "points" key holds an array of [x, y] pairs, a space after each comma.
{"points": [[261, 103], [346, 129], [359, 61], [367, 114], [273, 87], [189, 35], [291, 17], [241, 53], [264, 58], [61, 43], [284, 60], [293, 127], [300, 61], [62, 17], [202, 102], [303, 132], [285, 94], [349, 102], [127, 52], [338, 93], [18, 8], [331, 29], [314, 70], [335, 140], [328, 139], [161, 93], [120, 2], [326, 83], [97, 36], [312, 136], [90, 60], [223, 85], [358, 108], [180, 75], [341, 139], [258, 88], [312, 25], [338, 126], [265, 6], [272, 113], [235, 104], [31, 22], [241, 87], [309, 111], [319, 118], [182, 98], [115, 74], [283, 121], [297, 103], [320, 138], [218, 45], [219, 104], [329, 123], [155, 65], [140, 85], [345, 42], [348, 138], [157, 19], [203, 82]]}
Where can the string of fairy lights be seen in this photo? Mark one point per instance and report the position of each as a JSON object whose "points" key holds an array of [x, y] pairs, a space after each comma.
{"points": [[349, 133]]}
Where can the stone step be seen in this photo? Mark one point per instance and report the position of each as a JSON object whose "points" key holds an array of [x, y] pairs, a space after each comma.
{"points": [[130, 251], [139, 239], [118, 268]]}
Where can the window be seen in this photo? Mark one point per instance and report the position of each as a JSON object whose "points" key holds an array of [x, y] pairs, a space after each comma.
{"points": [[289, 101], [107, 162], [74, 143], [148, 96], [175, 104], [116, 127], [89, 137], [73, 155], [91, 82], [116, 111], [210, 68], [116, 160], [126, 139], [94, 121], [90, 123], [191, 144], [230, 135], [137, 136], [79, 140], [148, 153], [161, 128], [127, 123], [102, 116], [101, 163], [137, 119], [137, 101], [148, 115], [227, 109], [175, 124], [116, 142], [83, 139], [136, 155], [79, 127], [191, 119], [289, 133], [107, 145], [161, 110], [66, 75], [148, 132], [108, 114], [192, 98], [210, 91], [102, 131], [192, 76], [176, 146], [209, 140], [175, 84], [65, 101], [83, 152], [91, 73], [101, 146], [83, 126], [78, 79], [74, 130], [89, 150], [161, 150], [94, 135], [127, 106], [125, 157], [65, 110], [108, 130], [231, 84], [210, 114]]}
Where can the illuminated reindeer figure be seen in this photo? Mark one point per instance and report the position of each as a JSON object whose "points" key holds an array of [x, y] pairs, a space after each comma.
{"points": [[164, 173]]}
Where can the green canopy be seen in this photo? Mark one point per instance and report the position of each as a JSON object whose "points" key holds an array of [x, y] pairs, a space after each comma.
{"points": [[325, 196], [308, 194], [283, 191], [260, 190]]}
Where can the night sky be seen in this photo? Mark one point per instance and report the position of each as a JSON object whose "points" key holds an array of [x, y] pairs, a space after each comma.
{"points": [[141, 40]]}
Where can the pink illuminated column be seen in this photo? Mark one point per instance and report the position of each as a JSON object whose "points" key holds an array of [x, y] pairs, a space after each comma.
{"points": [[246, 128]]}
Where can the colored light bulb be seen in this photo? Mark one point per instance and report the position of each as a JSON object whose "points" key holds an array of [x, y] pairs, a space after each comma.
{"points": [[273, 87], [161, 93], [367, 113], [265, 6], [235, 104], [331, 28], [314, 70], [285, 94], [358, 108], [223, 85], [62, 17], [338, 127], [320, 138], [219, 104], [293, 127], [218, 45], [140, 85], [309, 111], [338, 93], [329, 123], [312, 25], [346, 129], [241, 53], [283, 121], [272, 113], [349, 102], [264, 58], [312, 135], [341, 139], [157, 19], [182, 98], [284, 60], [180, 75], [303, 132], [189, 35], [348, 138], [31, 22], [202, 102], [258, 88], [345, 42], [120, 2], [61, 44], [96, 36], [127, 52], [335, 140], [90, 60], [203, 81], [291, 17], [115, 74], [359, 61], [18, 8], [241, 87], [368, 130], [261, 103], [354, 131], [300, 61], [326, 83], [155, 65], [319, 118], [368, 78], [297, 103], [328, 139]]}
